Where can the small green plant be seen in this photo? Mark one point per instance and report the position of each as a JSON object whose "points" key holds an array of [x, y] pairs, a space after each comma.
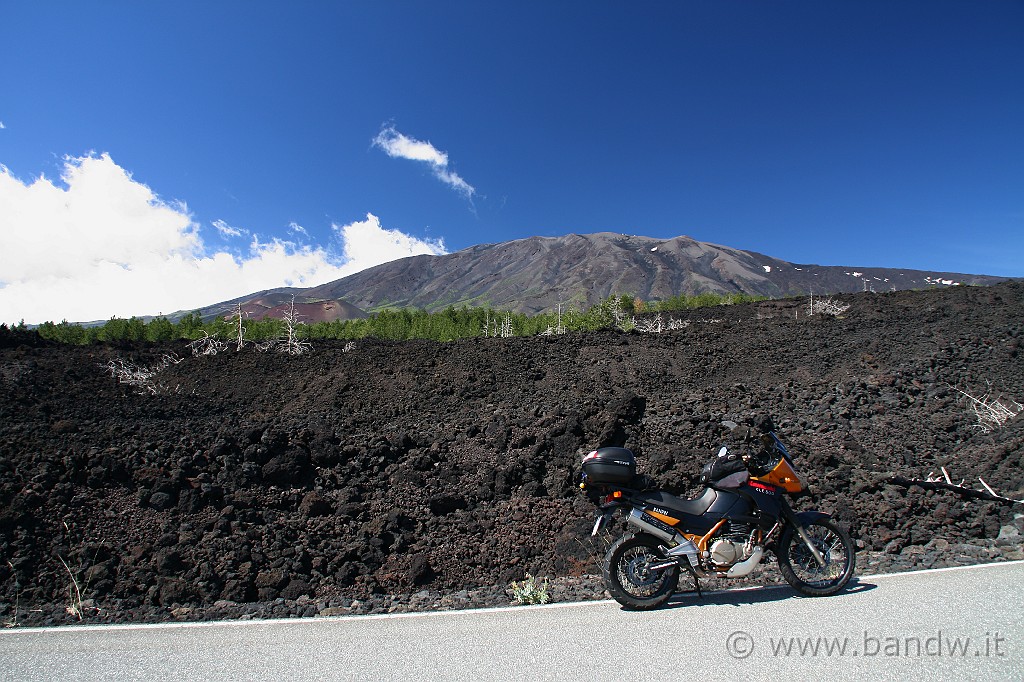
{"points": [[12, 622], [77, 606], [74, 607], [530, 591]]}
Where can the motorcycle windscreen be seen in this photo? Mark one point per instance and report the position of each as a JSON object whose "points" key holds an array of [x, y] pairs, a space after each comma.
{"points": [[784, 476]]}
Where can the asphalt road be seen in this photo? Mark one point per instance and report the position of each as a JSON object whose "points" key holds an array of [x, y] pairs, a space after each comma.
{"points": [[946, 624]]}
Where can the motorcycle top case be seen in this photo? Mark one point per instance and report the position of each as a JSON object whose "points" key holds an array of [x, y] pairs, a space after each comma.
{"points": [[609, 466]]}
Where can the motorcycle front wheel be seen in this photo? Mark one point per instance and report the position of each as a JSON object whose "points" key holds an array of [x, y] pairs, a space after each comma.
{"points": [[801, 569], [628, 577]]}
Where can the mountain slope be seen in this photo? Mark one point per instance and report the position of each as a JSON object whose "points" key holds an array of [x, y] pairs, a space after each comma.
{"points": [[536, 274]]}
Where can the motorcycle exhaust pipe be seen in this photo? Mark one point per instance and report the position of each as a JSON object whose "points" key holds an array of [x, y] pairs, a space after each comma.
{"points": [[655, 527], [681, 547]]}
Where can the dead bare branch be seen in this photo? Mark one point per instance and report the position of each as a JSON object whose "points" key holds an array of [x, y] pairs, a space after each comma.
{"points": [[931, 483], [206, 345], [992, 413], [131, 374], [289, 342], [240, 328], [827, 306]]}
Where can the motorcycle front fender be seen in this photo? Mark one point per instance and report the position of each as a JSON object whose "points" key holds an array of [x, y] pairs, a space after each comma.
{"points": [[805, 518], [797, 522]]}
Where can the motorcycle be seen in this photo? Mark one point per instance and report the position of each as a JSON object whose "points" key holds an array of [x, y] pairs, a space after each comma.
{"points": [[724, 532]]}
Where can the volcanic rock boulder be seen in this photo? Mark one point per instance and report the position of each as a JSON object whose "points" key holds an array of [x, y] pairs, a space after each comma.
{"points": [[270, 482]]}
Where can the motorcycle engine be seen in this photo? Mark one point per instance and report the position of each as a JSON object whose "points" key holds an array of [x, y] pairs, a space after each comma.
{"points": [[730, 547], [726, 552]]}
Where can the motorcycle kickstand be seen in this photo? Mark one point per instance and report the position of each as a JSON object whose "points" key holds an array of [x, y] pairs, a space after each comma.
{"points": [[693, 574]]}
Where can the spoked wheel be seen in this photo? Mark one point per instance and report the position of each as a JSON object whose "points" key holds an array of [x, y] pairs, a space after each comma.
{"points": [[801, 569], [629, 578]]}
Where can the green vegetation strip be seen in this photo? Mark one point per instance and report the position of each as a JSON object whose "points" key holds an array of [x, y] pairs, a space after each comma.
{"points": [[392, 323]]}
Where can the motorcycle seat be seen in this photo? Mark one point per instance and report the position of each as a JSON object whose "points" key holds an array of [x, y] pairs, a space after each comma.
{"points": [[695, 507]]}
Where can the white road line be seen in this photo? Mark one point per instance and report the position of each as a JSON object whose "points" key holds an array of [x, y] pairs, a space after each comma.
{"points": [[452, 612]]}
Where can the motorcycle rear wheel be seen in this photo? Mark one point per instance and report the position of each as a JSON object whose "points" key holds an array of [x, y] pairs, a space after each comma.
{"points": [[802, 570], [628, 577]]}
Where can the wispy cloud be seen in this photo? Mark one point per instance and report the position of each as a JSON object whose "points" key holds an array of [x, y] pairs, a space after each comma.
{"points": [[2, 126], [100, 244], [295, 228], [399, 146], [227, 231]]}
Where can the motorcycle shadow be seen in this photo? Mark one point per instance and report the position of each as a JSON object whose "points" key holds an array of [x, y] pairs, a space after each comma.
{"points": [[761, 594]]}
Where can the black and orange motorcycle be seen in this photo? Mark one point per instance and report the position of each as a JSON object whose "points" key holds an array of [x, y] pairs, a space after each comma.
{"points": [[724, 532]]}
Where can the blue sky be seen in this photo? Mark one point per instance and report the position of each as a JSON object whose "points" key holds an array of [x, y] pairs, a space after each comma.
{"points": [[164, 155]]}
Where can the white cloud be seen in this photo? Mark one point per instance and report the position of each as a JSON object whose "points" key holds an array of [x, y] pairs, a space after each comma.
{"points": [[295, 228], [399, 146], [101, 244], [228, 231], [2, 126], [367, 244]]}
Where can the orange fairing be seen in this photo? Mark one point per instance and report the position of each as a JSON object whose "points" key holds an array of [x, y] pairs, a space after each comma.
{"points": [[784, 476], [663, 517]]}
